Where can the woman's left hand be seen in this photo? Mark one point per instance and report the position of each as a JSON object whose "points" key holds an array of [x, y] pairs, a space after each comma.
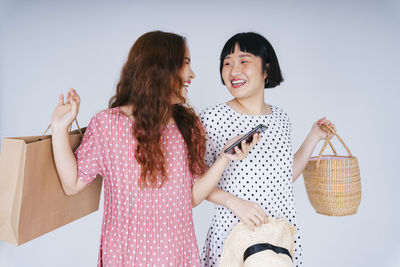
{"points": [[319, 132]]}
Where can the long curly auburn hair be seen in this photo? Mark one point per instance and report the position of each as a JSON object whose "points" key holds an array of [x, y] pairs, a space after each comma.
{"points": [[149, 79]]}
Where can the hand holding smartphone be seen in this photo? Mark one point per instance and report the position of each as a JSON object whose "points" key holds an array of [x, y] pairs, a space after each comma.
{"points": [[248, 137]]}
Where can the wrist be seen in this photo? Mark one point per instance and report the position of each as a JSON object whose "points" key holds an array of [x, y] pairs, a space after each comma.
{"points": [[314, 137], [231, 202], [58, 130], [224, 158]]}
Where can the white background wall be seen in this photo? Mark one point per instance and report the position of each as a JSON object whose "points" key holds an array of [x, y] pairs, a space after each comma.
{"points": [[339, 59]]}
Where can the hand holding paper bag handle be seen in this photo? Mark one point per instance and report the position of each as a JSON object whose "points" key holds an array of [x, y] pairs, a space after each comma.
{"points": [[63, 116]]}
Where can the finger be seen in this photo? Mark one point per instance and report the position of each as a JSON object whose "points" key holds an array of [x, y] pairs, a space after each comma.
{"points": [[73, 91], [68, 98], [238, 151], [260, 218], [256, 139], [256, 220], [321, 120], [265, 217], [75, 96], [244, 147], [61, 100], [329, 123], [259, 209], [74, 106], [262, 214], [249, 223]]}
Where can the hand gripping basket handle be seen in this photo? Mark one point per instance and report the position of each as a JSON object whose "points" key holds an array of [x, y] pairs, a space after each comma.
{"points": [[331, 133], [70, 127]]}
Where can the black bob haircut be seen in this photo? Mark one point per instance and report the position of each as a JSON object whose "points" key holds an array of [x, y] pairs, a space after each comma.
{"points": [[257, 45]]}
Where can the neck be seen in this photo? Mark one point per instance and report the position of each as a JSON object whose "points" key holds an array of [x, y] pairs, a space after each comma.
{"points": [[251, 105]]}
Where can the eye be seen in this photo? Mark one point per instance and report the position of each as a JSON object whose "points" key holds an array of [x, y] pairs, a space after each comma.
{"points": [[243, 61], [226, 64]]}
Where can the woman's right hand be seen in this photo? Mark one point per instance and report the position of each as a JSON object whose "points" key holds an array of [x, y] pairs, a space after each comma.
{"points": [[65, 112], [251, 213], [242, 153]]}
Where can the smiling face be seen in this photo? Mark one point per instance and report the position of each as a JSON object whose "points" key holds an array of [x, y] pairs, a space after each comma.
{"points": [[186, 73], [243, 74]]}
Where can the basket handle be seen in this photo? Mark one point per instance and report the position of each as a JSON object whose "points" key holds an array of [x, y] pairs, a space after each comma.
{"points": [[331, 132], [70, 128]]}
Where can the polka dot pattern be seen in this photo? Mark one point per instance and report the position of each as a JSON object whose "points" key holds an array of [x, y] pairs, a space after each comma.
{"points": [[265, 176], [141, 227]]}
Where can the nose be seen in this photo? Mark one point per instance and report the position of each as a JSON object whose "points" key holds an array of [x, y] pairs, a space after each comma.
{"points": [[191, 74], [236, 69]]}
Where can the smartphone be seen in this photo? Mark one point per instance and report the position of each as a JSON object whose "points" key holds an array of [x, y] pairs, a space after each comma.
{"points": [[248, 137]]}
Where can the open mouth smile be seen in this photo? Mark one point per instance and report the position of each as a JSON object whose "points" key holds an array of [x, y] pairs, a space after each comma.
{"points": [[187, 84], [236, 83]]}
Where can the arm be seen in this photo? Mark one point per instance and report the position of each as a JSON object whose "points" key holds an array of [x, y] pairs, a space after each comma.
{"points": [[63, 116], [66, 163], [249, 212], [306, 149], [207, 182]]}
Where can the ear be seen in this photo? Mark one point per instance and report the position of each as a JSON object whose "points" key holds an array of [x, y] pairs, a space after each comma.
{"points": [[265, 71]]}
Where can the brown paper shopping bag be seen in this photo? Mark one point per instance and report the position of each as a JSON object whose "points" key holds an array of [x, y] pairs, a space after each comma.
{"points": [[32, 201]]}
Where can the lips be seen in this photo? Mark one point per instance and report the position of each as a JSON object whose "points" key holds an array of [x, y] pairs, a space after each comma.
{"points": [[236, 83], [186, 85]]}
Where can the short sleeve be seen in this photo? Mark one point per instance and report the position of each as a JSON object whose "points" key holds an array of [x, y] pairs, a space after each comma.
{"points": [[87, 155], [289, 126], [211, 153]]}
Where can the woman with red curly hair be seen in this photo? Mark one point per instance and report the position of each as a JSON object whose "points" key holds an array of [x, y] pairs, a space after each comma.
{"points": [[149, 148]]}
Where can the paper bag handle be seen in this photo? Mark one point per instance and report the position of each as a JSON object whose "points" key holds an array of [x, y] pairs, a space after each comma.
{"points": [[70, 127]]}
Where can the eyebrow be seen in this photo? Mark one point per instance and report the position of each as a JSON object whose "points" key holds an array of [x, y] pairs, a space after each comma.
{"points": [[243, 55]]}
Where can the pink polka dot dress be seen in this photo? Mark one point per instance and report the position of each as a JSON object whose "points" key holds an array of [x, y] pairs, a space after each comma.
{"points": [[141, 227]]}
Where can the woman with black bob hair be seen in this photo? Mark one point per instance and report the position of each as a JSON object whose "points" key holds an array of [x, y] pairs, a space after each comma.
{"points": [[261, 185], [257, 45]]}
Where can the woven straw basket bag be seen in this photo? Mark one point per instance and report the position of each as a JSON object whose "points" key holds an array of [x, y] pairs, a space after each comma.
{"points": [[333, 182]]}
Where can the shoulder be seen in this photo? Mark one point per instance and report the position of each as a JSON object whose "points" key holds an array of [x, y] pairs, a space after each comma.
{"points": [[212, 112], [107, 114], [280, 112], [211, 116], [104, 117], [282, 118]]}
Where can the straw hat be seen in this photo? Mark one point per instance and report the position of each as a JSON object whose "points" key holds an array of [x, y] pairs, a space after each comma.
{"points": [[270, 244]]}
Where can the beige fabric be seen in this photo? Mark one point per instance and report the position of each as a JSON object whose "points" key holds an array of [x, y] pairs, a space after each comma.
{"points": [[277, 232]]}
